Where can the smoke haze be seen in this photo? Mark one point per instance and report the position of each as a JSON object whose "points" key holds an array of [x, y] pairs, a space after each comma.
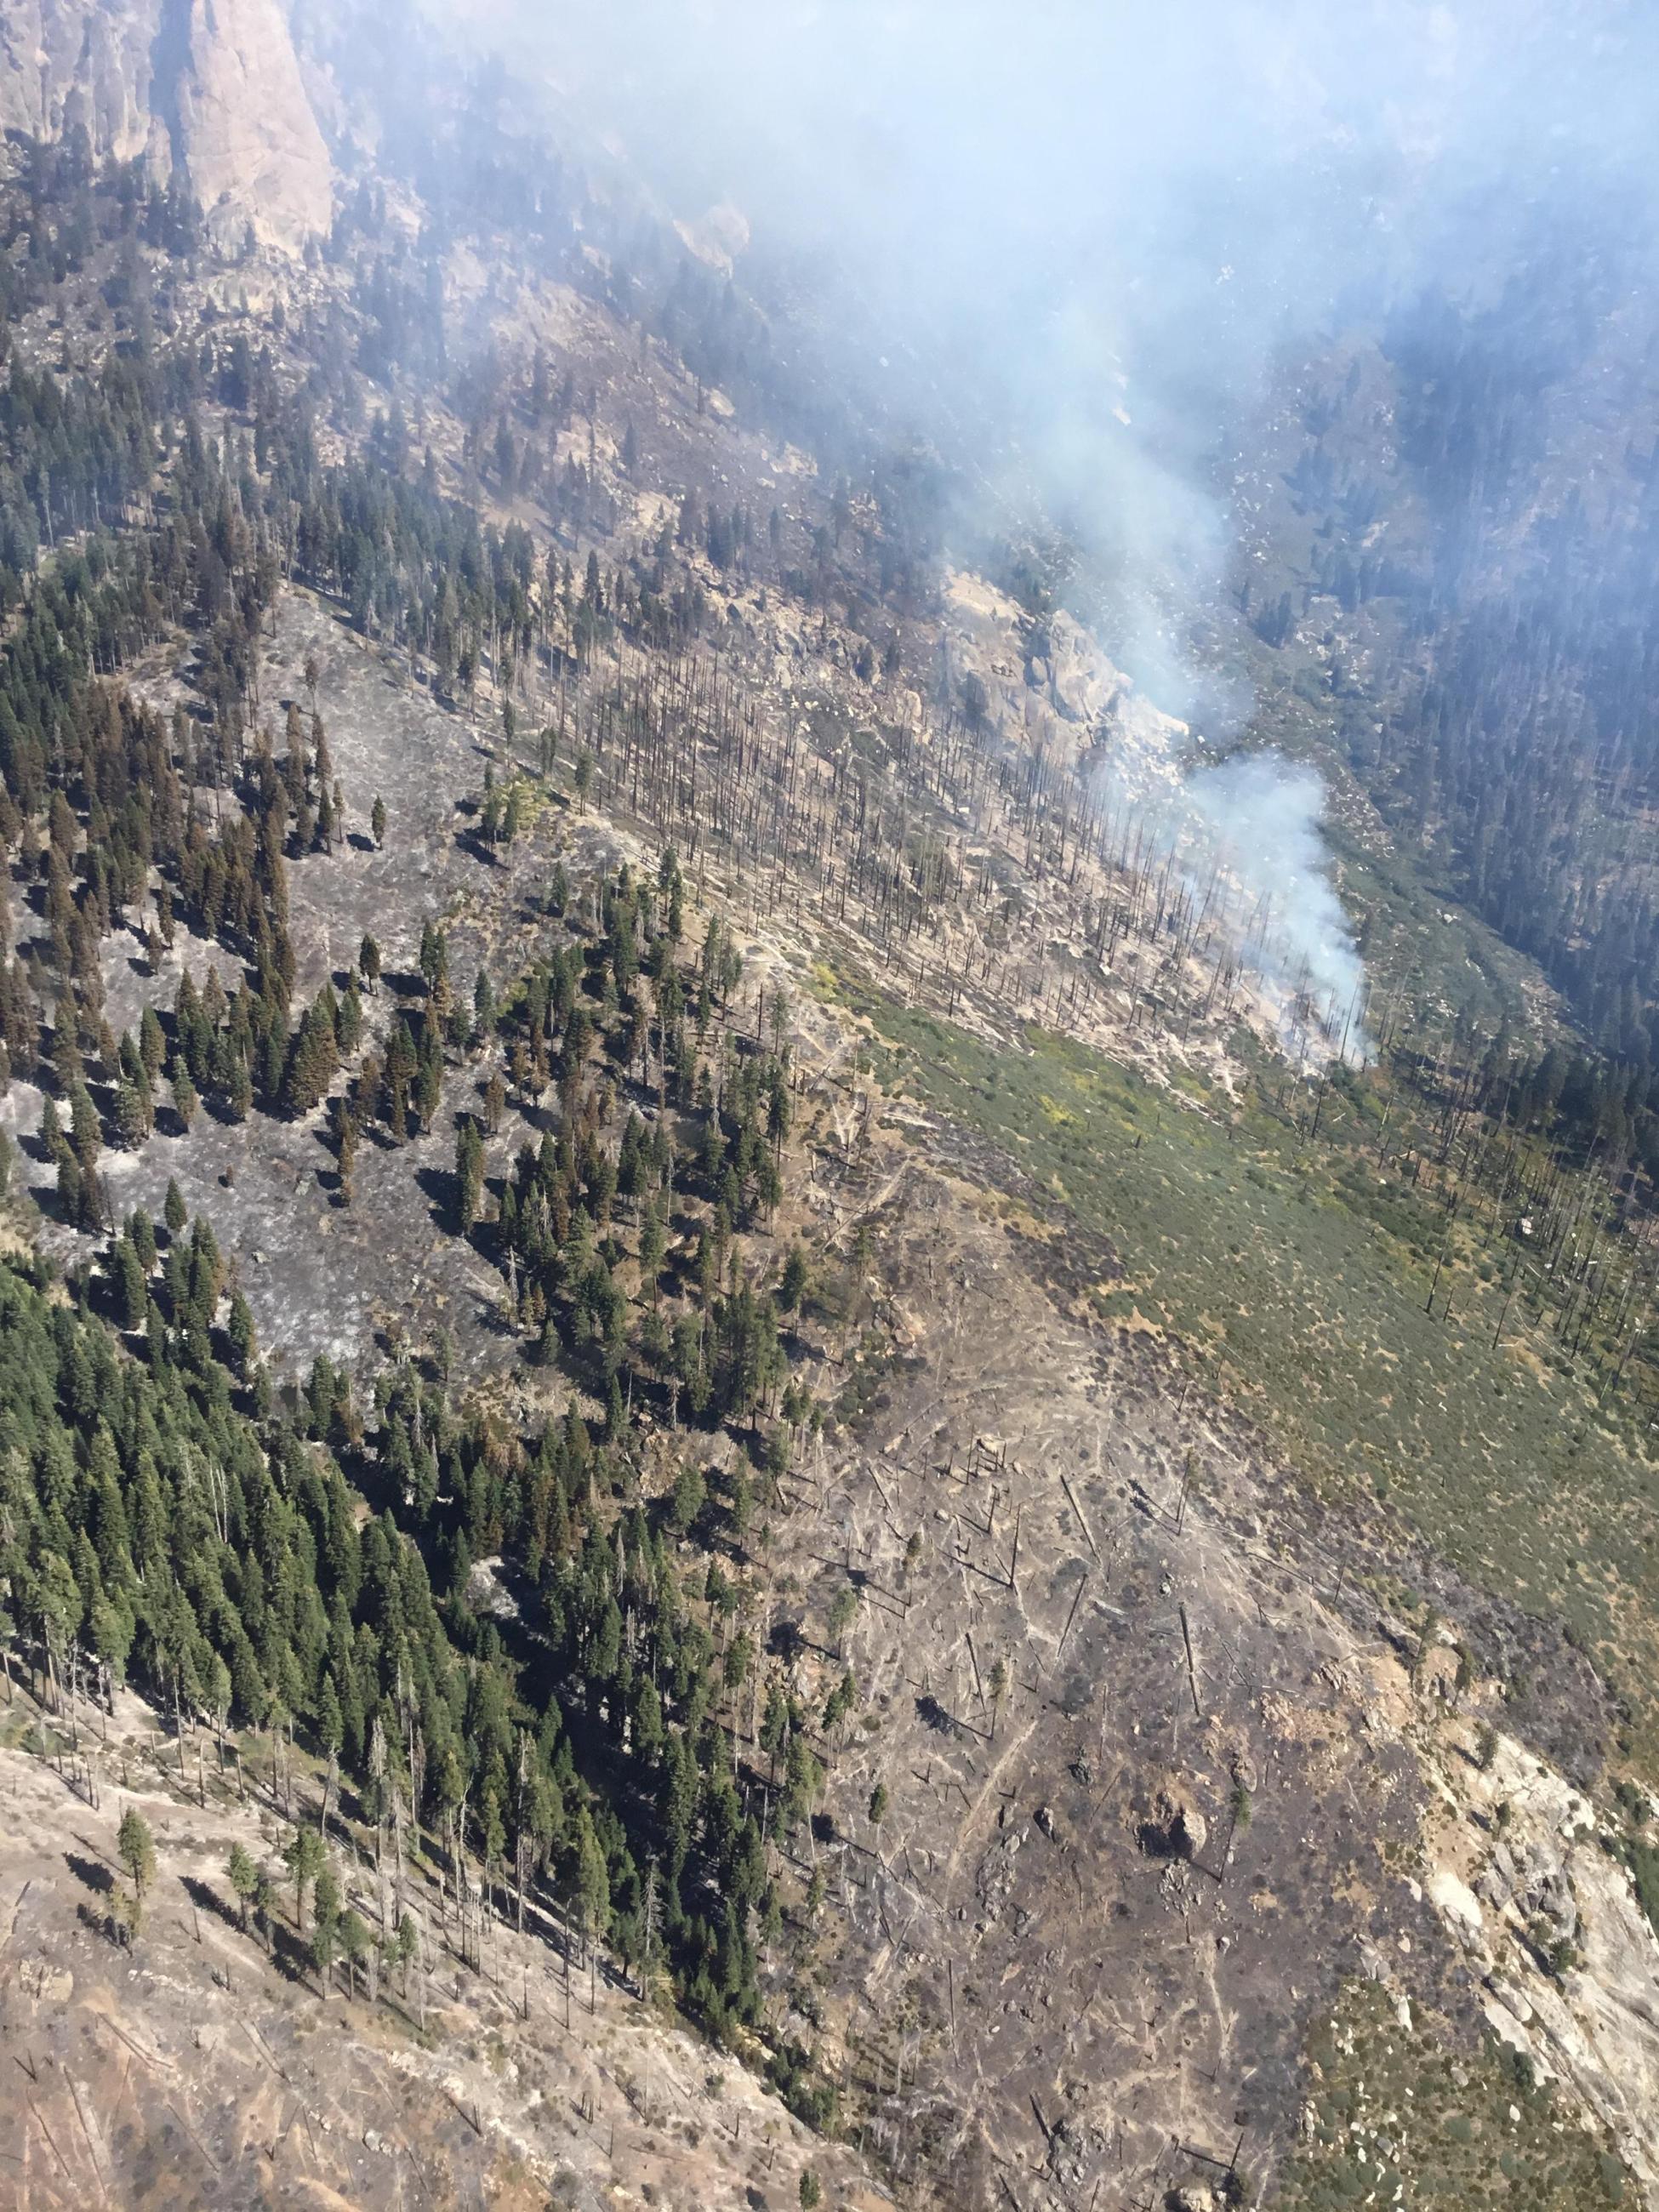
{"points": [[1072, 245]]}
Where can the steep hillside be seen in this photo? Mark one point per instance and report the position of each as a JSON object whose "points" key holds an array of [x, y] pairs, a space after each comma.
{"points": [[758, 1473]]}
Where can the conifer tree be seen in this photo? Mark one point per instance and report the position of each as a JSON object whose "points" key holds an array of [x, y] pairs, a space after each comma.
{"points": [[134, 1847], [244, 1878]]}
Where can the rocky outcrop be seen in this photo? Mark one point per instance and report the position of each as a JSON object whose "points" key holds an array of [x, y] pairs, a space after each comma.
{"points": [[243, 125], [211, 87], [1589, 2018], [720, 237], [64, 62]]}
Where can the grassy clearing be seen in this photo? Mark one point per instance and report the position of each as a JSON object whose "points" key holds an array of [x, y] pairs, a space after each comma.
{"points": [[1393, 2119], [1298, 1278]]}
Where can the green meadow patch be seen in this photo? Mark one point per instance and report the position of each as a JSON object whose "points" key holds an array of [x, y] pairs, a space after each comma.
{"points": [[1297, 1274]]}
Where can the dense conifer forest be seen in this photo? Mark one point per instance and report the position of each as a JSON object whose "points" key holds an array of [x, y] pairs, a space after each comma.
{"points": [[622, 1741]]}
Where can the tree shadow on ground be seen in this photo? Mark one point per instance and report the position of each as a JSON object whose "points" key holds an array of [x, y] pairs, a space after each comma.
{"points": [[97, 1878]]}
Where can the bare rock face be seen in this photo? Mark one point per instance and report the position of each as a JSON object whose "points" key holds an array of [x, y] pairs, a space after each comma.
{"points": [[64, 62], [243, 125], [720, 237], [209, 86]]}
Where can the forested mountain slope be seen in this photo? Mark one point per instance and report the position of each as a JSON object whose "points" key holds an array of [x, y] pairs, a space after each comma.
{"points": [[738, 1462]]}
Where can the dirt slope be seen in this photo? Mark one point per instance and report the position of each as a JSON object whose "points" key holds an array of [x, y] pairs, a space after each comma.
{"points": [[195, 2071]]}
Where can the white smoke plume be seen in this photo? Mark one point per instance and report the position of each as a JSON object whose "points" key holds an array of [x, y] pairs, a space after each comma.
{"points": [[1256, 818], [1071, 243]]}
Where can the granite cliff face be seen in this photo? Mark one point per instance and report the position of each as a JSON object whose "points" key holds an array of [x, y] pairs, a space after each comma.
{"points": [[242, 124], [209, 86], [64, 62]]}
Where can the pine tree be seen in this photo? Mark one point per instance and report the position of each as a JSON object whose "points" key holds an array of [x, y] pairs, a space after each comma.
{"points": [[244, 1878], [312, 1062], [134, 1847], [324, 1925], [593, 1883], [793, 1286], [354, 1944], [243, 1339], [132, 1290], [152, 1044], [469, 1175], [304, 1859], [130, 1119], [86, 1131]]}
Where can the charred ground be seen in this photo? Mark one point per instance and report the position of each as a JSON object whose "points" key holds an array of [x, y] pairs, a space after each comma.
{"points": [[1056, 1707]]}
